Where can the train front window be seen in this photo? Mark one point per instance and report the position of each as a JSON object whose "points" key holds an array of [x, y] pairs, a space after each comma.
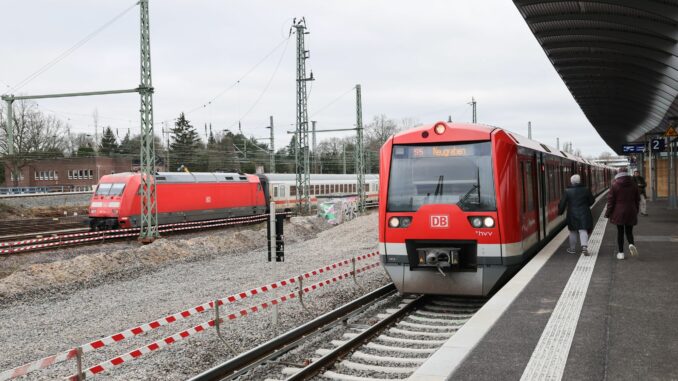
{"points": [[114, 189], [103, 189], [441, 174]]}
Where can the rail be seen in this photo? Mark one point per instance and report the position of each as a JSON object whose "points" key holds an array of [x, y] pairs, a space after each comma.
{"points": [[285, 342], [56, 240]]}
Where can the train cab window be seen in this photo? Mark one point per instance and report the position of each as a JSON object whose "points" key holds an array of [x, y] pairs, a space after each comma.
{"points": [[107, 189], [458, 174], [103, 189], [116, 189]]}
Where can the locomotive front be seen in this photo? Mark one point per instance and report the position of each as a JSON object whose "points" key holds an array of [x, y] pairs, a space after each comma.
{"points": [[438, 225]]}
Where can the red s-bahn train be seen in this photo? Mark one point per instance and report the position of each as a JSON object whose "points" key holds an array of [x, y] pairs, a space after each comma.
{"points": [[465, 205]]}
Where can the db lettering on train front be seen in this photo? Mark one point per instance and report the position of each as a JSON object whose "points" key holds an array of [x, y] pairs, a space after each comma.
{"points": [[440, 221]]}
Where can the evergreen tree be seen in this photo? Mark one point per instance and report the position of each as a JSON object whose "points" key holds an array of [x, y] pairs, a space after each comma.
{"points": [[185, 144], [125, 146], [108, 144]]}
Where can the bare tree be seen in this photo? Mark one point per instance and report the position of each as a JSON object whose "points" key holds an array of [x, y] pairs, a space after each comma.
{"points": [[35, 136], [380, 129]]}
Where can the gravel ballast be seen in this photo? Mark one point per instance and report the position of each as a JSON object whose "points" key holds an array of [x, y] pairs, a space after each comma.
{"points": [[80, 299]]}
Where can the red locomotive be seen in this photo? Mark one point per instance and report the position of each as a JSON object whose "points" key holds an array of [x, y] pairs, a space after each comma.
{"points": [[181, 197], [466, 205], [199, 196]]}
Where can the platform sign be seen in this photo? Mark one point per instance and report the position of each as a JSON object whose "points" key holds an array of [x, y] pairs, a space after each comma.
{"points": [[633, 148], [657, 144]]}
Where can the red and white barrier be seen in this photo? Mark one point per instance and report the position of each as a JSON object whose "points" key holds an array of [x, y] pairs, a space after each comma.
{"points": [[39, 364], [156, 345], [96, 344]]}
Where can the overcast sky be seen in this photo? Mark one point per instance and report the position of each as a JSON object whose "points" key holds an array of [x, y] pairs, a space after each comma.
{"points": [[421, 60]]}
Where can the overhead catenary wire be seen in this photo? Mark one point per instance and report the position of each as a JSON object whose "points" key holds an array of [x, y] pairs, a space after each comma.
{"points": [[268, 84], [237, 82], [72, 49], [331, 103]]}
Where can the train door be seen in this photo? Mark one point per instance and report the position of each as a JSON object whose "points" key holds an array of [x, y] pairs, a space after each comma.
{"points": [[541, 193], [529, 201]]}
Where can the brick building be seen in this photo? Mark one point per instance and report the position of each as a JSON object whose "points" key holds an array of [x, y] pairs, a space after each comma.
{"points": [[78, 173]]}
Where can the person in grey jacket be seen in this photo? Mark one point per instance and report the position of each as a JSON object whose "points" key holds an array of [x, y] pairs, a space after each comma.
{"points": [[577, 199]]}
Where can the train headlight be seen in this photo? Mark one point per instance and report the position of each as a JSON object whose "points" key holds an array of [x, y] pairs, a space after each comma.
{"points": [[488, 222], [400, 222], [439, 128], [394, 222], [476, 222]]}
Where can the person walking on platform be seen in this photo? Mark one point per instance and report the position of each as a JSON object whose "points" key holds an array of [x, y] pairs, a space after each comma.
{"points": [[640, 182], [622, 209], [577, 199]]}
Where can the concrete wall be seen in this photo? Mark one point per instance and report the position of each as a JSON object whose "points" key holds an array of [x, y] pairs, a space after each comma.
{"points": [[54, 199]]}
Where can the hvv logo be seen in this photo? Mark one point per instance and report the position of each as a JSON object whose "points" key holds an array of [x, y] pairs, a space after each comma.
{"points": [[440, 221]]}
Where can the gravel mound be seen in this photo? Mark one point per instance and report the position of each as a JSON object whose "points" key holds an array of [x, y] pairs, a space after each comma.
{"points": [[136, 259], [135, 285]]}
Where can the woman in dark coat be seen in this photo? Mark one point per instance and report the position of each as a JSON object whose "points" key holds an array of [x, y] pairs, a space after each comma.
{"points": [[622, 209], [577, 199]]}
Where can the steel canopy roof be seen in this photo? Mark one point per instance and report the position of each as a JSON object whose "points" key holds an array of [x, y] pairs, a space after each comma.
{"points": [[618, 58]]}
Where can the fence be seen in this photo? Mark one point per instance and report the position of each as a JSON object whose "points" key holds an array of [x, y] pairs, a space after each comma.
{"points": [[78, 353]]}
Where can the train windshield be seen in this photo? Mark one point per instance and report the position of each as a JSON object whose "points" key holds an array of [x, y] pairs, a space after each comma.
{"points": [[441, 174], [108, 189]]}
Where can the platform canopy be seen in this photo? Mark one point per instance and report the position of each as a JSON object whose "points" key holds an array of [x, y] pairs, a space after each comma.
{"points": [[618, 58]]}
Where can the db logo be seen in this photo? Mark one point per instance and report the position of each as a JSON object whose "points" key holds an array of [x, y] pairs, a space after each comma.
{"points": [[208, 199], [439, 221]]}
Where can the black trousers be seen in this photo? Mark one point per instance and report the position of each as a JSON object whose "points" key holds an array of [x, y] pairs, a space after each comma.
{"points": [[621, 229]]}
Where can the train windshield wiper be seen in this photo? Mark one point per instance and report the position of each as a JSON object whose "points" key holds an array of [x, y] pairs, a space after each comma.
{"points": [[439, 187], [475, 187]]}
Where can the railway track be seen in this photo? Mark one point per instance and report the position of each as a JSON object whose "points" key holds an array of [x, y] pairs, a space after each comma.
{"points": [[55, 239], [382, 336], [19, 228], [47, 233]]}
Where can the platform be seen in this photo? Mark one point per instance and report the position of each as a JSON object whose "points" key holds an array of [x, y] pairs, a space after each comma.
{"points": [[578, 318]]}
